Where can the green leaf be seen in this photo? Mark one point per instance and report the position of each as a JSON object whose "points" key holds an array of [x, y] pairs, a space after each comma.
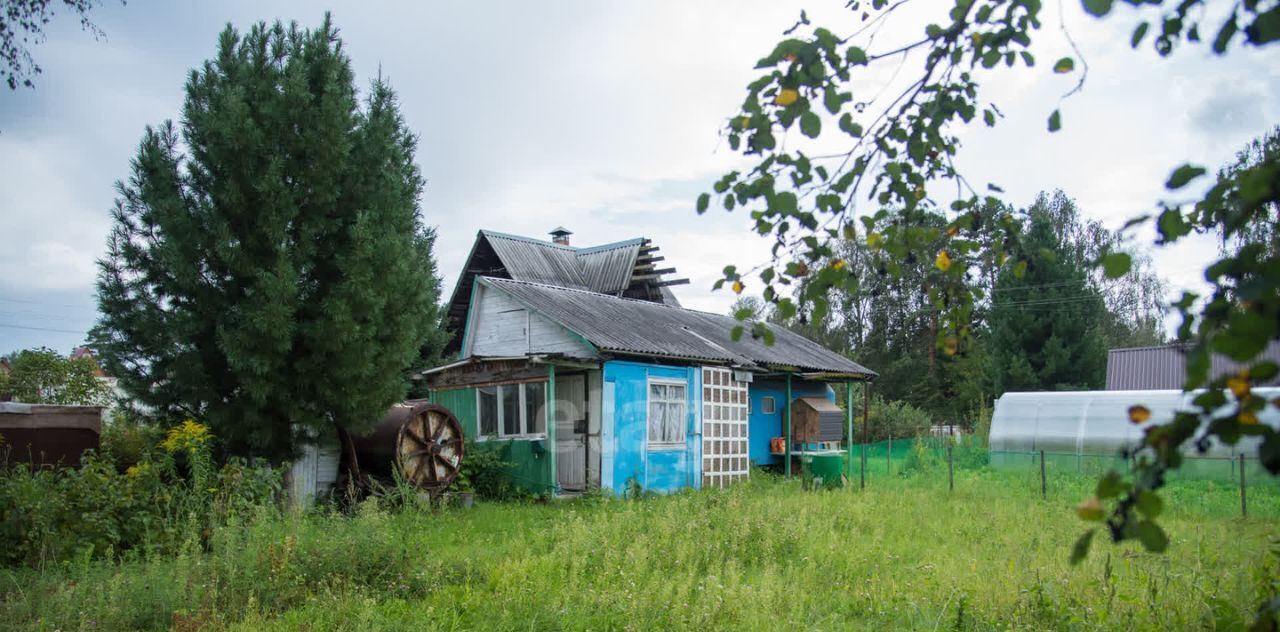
{"points": [[1149, 504], [1138, 34], [704, 201], [1269, 452], [856, 56], [1265, 28], [1151, 536], [989, 117], [735, 334], [1182, 175], [1097, 8], [1064, 65], [810, 124], [1116, 264], [1081, 548], [1055, 121], [1227, 32], [1110, 485]]}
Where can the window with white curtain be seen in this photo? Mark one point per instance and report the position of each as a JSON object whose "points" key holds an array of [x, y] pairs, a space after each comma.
{"points": [[668, 406]]}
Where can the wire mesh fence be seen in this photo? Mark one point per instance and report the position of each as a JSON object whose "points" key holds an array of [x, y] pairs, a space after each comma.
{"points": [[1045, 471]]}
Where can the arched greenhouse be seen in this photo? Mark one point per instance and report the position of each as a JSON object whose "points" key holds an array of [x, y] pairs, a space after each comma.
{"points": [[1086, 431]]}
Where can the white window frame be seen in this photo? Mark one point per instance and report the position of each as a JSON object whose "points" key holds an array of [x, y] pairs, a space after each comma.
{"points": [[768, 405], [684, 425], [524, 434]]}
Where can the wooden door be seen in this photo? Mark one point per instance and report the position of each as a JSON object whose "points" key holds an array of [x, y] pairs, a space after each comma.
{"points": [[571, 432]]}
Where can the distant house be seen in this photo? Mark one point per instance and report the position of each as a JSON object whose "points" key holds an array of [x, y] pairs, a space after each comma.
{"points": [[1164, 367], [583, 360]]}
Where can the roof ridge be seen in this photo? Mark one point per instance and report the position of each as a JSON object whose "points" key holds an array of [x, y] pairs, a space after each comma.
{"points": [[626, 243], [528, 240]]}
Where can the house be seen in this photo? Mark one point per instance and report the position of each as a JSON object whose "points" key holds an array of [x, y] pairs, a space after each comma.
{"points": [[581, 365], [1165, 367]]}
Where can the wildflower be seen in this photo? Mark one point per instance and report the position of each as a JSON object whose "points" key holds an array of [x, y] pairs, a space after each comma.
{"points": [[189, 435]]}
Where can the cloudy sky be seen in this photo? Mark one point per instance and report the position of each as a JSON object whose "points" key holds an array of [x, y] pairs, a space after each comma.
{"points": [[600, 116]]}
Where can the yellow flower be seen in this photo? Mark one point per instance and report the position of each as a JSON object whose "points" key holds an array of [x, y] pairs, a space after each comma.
{"points": [[737, 287], [839, 264], [786, 97], [189, 435]]}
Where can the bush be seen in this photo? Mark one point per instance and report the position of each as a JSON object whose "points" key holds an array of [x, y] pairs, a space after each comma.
{"points": [[486, 471], [897, 420], [169, 498]]}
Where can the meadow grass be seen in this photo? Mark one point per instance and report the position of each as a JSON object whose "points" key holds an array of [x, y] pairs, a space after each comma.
{"points": [[904, 553]]}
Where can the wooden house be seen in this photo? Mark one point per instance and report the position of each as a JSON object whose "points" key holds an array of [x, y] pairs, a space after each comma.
{"points": [[580, 364]]}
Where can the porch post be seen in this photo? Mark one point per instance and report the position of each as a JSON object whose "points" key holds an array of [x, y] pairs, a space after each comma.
{"points": [[848, 418], [551, 425], [866, 415], [787, 415]]}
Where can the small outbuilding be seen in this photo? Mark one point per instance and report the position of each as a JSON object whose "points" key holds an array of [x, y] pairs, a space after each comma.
{"points": [[47, 434]]}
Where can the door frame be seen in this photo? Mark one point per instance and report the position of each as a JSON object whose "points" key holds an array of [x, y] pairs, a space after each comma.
{"points": [[583, 439]]}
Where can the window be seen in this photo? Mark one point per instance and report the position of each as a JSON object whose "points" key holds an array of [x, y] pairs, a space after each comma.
{"points": [[768, 406], [512, 410], [667, 416]]}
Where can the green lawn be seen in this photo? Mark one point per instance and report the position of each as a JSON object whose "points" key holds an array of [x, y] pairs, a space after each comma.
{"points": [[905, 553]]}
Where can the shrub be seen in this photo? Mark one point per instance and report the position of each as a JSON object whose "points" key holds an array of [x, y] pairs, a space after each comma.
{"points": [[487, 472], [896, 419], [167, 499]]}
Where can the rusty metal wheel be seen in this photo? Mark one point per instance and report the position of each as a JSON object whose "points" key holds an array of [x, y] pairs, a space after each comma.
{"points": [[429, 446]]}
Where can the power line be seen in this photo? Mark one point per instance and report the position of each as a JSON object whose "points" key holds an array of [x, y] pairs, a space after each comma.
{"points": [[57, 331], [46, 304]]}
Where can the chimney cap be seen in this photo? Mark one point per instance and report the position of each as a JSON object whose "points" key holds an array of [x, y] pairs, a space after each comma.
{"points": [[560, 231]]}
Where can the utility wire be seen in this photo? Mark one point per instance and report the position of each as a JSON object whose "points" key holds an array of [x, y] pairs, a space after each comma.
{"points": [[57, 331]]}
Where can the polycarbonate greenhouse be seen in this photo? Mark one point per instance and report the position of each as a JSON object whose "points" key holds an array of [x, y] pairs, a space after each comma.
{"points": [[1087, 430]]}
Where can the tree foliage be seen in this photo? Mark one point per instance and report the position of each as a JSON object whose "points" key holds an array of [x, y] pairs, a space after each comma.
{"points": [[896, 167], [43, 376], [22, 24], [268, 271]]}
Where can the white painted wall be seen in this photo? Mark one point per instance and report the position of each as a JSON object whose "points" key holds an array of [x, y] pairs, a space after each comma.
{"points": [[501, 326]]}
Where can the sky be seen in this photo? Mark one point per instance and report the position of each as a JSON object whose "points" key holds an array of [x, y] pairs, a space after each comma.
{"points": [[603, 117]]}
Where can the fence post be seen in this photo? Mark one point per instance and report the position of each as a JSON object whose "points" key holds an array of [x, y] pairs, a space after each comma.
{"points": [[1044, 487], [1244, 505], [951, 471]]}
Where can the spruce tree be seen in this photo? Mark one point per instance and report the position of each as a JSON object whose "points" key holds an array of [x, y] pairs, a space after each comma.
{"points": [[1045, 315], [268, 271]]}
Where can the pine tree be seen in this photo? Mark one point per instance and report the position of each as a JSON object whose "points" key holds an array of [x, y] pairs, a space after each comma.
{"points": [[268, 271], [1045, 317]]}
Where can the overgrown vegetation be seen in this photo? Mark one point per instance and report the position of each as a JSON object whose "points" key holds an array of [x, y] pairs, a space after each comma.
{"points": [[155, 498], [902, 554]]}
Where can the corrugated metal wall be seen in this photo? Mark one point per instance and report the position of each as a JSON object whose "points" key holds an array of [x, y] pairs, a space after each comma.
{"points": [[1156, 368]]}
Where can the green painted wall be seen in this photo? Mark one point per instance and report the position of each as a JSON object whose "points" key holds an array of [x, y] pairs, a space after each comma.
{"points": [[531, 469]]}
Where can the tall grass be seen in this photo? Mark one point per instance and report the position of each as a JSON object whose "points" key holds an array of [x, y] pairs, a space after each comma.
{"points": [[904, 553]]}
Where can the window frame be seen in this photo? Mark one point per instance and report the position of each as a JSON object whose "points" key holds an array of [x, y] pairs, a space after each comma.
{"points": [[684, 426], [521, 408], [772, 405]]}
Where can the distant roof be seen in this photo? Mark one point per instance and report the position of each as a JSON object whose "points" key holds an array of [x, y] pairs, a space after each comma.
{"points": [[1165, 367], [634, 327]]}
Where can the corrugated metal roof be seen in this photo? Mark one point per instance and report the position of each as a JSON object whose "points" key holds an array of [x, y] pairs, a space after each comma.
{"points": [[1165, 367], [637, 327], [606, 268]]}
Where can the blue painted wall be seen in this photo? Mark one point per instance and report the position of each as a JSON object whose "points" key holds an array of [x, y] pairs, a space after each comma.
{"points": [[660, 470], [761, 427]]}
